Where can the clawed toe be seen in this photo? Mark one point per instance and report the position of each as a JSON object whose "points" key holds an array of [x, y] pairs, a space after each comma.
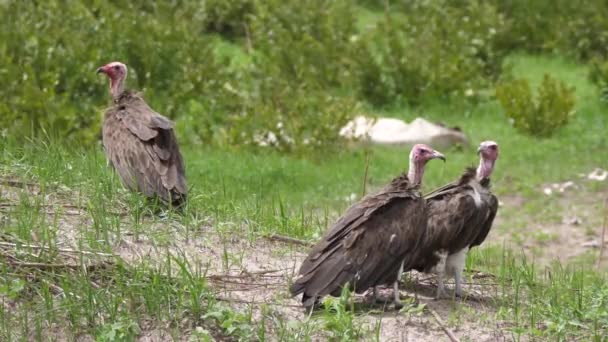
{"points": [[442, 295]]}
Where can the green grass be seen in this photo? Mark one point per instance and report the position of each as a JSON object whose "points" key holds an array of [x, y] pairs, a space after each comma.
{"points": [[236, 192]]}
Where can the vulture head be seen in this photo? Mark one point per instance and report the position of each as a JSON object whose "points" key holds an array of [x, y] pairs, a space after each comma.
{"points": [[488, 153], [419, 156], [117, 73]]}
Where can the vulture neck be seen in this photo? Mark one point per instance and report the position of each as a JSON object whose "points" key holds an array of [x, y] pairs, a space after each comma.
{"points": [[414, 174], [485, 168], [116, 87]]}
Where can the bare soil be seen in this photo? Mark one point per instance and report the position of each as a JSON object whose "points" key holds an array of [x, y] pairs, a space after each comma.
{"points": [[253, 272]]}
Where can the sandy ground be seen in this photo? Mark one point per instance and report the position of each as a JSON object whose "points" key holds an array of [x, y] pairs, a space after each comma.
{"points": [[251, 272]]}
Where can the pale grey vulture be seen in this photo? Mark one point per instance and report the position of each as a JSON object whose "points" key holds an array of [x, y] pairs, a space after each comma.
{"points": [[373, 242], [140, 144]]}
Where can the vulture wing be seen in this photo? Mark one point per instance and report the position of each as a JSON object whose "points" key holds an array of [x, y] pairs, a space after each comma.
{"points": [[492, 202], [366, 246], [141, 146], [457, 215]]}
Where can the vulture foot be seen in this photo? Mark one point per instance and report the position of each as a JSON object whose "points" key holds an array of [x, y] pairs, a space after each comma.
{"points": [[398, 305], [396, 300], [462, 295], [441, 293], [374, 298]]}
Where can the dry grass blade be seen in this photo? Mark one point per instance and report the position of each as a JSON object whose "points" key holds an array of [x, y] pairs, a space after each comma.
{"points": [[243, 275], [41, 265], [234, 300], [287, 239], [603, 238], [15, 183], [444, 327], [69, 209], [63, 250]]}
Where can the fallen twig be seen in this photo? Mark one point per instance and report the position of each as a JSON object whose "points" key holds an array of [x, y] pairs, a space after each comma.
{"points": [[70, 209], [42, 265], [287, 239], [263, 272], [444, 327], [70, 212], [63, 250], [234, 300], [231, 278], [251, 287], [16, 183]]}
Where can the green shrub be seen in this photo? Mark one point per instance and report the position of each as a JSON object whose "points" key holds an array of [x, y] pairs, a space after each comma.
{"points": [[305, 42], [598, 74], [289, 95], [300, 64], [540, 116], [228, 17], [287, 116], [556, 26], [49, 53], [429, 50]]}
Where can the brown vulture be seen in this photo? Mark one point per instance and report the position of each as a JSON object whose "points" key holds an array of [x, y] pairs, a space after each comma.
{"points": [[373, 242], [140, 144], [460, 215]]}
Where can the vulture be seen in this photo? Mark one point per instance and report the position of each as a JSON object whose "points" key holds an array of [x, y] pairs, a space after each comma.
{"points": [[460, 215], [373, 242], [140, 144]]}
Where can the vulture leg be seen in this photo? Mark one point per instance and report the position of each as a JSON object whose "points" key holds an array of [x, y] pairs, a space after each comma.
{"points": [[396, 300], [374, 299], [441, 270], [455, 263]]}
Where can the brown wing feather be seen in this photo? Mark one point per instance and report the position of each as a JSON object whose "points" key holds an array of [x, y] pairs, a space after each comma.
{"points": [[358, 249], [487, 224], [454, 220], [142, 147]]}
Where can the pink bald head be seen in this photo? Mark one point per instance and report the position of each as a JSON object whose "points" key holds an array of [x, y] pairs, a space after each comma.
{"points": [[488, 153], [419, 156], [117, 73]]}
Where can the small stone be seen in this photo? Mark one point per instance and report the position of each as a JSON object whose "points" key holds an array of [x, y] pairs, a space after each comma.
{"points": [[573, 221], [591, 244], [598, 174], [567, 185]]}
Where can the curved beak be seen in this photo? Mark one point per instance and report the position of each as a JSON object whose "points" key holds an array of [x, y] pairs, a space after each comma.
{"points": [[479, 150], [438, 155], [100, 70]]}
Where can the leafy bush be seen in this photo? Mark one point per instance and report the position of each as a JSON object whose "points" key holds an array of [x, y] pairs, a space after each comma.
{"points": [[305, 42], [431, 49], [540, 116], [291, 68], [50, 51], [228, 17], [300, 58], [554, 26], [598, 74]]}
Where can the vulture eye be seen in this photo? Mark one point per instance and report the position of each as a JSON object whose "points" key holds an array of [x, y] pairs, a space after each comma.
{"points": [[116, 67]]}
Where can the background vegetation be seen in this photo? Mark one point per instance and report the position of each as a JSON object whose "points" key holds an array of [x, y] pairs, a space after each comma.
{"points": [[232, 73], [223, 69]]}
